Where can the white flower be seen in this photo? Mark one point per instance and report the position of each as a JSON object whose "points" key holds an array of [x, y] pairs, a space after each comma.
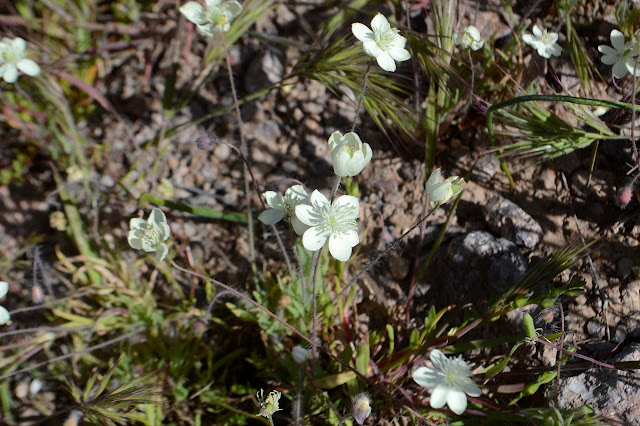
{"points": [[623, 56], [544, 42], [348, 154], [4, 314], [150, 235], [441, 192], [383, 43], [300, 354], [285, 207], [12, 59], [336, 221], [450, 379], [216, 18], [470, 38]]}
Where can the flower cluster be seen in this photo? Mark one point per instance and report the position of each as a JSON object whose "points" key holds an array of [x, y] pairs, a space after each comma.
{"points": [[217, 16], [382, 42], [450, 380], [12, 60], [314, 217], [544, 42], [150, 235], [4, 314], [623, 55], [469, 38]]}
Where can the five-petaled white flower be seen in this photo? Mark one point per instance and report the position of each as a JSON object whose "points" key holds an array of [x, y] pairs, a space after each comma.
{"points": [[382, 42], [12, 60], [336, 221], [623, 56], [216, 18], [441, 192], [282, 207], [544, 42], [149, 235], [348, 154], [269, 405], [4, 314], [450, 379], [469, 38]]}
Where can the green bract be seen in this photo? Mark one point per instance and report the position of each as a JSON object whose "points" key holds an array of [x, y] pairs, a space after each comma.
{"points": [[149, 235], [216, 18]]}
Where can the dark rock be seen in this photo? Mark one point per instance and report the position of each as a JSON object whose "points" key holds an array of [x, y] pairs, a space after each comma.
{"points": [[611, 393], [512, 223], [475, 266]]}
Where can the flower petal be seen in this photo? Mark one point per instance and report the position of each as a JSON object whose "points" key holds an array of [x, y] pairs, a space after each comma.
{"points": [[338, 248], [537, 32], [4, 289], [427, 377], [270, 217], [307, 215], [399, 54], [162, 251], [28, 67], [386, 62], [4, 316], [617, 40], [313, 239], [10, 74], [619, 69], [439, 396], [457, 401], [299, 227], [380, 24], [273, 199], [470, 388], [348, 201], [233, 8], [194, 12], [361, 32]]}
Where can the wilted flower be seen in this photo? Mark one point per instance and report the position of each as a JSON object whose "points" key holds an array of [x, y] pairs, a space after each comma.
{"points": [[336, 221], [216, 18], [544, 42], [12, 59], [58, 221], [382, 42], [4, 314], [450, 379], [470, 38], [269, 405], [151, 234], [361, 407], [300, 354], [285, 207], [623, 56], [348, 154], [441, 192]]}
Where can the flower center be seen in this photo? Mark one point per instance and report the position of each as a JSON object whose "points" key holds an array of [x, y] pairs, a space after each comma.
{"points": [[218, 18], [546, 38], [151, 235], [337, 219], [385, 39]]}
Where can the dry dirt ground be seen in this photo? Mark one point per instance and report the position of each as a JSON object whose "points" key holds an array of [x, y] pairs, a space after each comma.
{"points": [[287, 132]]}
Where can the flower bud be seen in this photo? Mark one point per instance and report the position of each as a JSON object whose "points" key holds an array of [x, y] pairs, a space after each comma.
{"points": [[361, 407], [348, 154], [204, 142], [300, 354], [624, 197]]}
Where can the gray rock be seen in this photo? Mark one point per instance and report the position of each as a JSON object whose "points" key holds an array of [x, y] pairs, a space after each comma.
{"points": [[610, 392], [512, 223], [265, 69], [474, 266], [485, 168]]}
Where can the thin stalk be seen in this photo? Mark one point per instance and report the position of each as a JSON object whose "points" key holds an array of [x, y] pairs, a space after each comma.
{"points": [[245, 151], [555, 98], [314, 276], [361, 97]]}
